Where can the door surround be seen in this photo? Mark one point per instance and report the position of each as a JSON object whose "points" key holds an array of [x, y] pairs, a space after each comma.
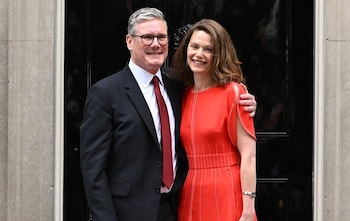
{"points": [[318, 133], [59, 111]]}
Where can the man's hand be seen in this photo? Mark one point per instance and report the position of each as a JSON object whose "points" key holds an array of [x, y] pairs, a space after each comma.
{"points": [[248, 100]]}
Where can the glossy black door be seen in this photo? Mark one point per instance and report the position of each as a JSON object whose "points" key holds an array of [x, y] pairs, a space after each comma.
{"points": [[274, 40]]}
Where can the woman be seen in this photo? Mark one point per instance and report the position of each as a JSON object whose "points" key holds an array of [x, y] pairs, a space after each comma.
{"points": [[218, 135]]}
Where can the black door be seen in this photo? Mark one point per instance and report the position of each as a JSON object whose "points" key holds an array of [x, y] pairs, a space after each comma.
{"points": [[274, 40]]}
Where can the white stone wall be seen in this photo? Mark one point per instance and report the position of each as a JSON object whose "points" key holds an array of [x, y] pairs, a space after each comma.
{"points": [[27, 81], [337, 110], [3, 106]]}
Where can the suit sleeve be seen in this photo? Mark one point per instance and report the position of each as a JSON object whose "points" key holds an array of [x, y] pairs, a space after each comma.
{"points": [[95, 139]]}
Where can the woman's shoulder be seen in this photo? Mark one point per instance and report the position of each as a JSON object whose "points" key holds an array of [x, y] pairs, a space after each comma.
{"points": [[238, 88]]}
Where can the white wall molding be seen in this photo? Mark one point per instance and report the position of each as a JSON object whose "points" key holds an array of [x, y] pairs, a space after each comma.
{"points": [[319, 87], [59, 111]]}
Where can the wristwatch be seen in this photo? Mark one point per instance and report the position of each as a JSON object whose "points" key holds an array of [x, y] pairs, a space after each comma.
{"points": [[251, 194]]}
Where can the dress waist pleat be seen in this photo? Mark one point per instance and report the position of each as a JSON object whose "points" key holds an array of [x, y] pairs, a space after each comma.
{"points": [[213, 160]]}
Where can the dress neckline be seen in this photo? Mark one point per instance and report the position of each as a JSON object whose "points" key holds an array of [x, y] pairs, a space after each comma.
{"points": [[203, 90]]}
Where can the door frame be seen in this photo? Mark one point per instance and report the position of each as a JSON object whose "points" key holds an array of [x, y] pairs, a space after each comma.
{"points": [[59, 111], [318, 132]]}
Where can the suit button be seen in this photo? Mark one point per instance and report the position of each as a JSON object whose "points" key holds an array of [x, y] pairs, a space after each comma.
{"points": [[159, 165], [157, 189]]}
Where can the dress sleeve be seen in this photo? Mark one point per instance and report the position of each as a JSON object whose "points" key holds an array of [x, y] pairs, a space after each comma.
{"points": [[237, 112]]}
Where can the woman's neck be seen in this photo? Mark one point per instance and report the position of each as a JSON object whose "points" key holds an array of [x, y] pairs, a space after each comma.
{"points": [[202, 83]]}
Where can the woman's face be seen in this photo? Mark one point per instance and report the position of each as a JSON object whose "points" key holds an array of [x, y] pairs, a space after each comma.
{"points": [[200, 53]]}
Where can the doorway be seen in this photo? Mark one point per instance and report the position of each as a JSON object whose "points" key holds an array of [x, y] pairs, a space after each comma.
{"points": [[274, 40]]}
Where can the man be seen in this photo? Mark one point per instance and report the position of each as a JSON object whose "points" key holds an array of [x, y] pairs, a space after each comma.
{"points": [[121, 143]]}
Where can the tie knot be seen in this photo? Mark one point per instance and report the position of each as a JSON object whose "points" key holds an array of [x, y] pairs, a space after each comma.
{"points": [[155, 80]]}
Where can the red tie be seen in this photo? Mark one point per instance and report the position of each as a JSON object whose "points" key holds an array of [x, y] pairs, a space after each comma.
{"points": [[167, 174]]}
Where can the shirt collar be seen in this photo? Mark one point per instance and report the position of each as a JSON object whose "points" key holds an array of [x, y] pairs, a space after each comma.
{"points": [[142, 76]]}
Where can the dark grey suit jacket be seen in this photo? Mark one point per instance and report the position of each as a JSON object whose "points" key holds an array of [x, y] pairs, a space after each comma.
{"points": [[120, 156]]}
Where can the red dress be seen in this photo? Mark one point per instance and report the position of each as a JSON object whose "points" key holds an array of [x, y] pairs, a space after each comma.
{"points": [[212, 190]]}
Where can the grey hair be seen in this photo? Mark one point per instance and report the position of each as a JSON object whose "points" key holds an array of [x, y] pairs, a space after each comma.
{"points": [[143, 14]]}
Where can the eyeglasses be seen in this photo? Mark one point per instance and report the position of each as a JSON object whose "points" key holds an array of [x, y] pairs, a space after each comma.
{"points": [[147, 40]]}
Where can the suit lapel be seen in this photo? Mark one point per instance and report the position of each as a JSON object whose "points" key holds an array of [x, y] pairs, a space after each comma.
{"points": [[137, 98]]}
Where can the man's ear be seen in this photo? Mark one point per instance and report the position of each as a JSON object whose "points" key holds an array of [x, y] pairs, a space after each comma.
{"points": [[129, 42]]}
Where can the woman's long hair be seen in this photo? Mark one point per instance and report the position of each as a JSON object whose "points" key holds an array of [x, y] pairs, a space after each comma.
{"points": [[225, 64]]}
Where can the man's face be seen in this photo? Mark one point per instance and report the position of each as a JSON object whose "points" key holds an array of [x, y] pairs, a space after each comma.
{"points": [[151, 57]]}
